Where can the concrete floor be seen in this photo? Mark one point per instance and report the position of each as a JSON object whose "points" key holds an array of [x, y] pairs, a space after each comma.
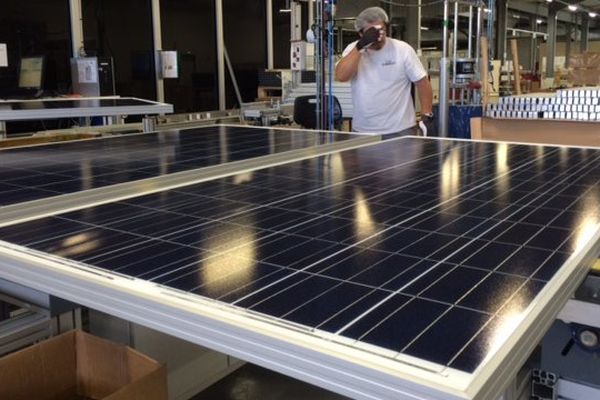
{"points": [[251, 382]]}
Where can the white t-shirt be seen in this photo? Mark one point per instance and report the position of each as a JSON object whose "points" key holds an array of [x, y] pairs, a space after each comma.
{"points": [[381, 87]]}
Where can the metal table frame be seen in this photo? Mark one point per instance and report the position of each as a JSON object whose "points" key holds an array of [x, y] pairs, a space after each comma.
{"points": [[112, 114]]}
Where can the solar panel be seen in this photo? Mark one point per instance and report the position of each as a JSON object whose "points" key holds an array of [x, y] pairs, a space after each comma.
{"points": [[420, 252], [22, 110], [38, 172], [73, 103]]}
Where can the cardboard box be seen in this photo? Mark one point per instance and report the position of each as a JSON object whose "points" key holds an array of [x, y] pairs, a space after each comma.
{"points": [[79, 366]]}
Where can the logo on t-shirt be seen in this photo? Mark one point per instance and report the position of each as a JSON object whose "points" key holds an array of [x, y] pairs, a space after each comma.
{"points": [[388, 62]]}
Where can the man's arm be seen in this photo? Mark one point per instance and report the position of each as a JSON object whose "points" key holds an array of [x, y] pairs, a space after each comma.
{"points": [[425, 95], [346, 68]]}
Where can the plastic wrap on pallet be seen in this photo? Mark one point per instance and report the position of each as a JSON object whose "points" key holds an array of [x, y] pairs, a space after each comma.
{"points": [[459, 119]]}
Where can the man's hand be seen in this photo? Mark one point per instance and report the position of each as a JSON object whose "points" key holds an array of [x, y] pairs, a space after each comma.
{"points": [[427, 125], [372, 35]]}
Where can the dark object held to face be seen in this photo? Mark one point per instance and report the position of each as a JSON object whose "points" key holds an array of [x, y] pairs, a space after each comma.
{"points": [[370, 37]]}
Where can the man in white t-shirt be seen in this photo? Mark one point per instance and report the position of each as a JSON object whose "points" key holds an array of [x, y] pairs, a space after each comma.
{"points": [[381, 71]]}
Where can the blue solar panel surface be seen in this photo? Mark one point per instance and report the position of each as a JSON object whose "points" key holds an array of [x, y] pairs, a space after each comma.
{"points": [[32, 173], [418, 247]]}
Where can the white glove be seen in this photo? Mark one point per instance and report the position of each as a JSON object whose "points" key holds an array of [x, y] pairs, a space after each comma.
{"points": [[423, 128]]}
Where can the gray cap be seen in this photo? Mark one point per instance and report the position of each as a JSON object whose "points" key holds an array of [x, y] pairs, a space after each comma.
{"points": [[369, 16]]}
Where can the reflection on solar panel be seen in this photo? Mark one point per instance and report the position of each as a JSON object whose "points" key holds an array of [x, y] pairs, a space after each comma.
{"points": [[427, 252], [31, 173]]}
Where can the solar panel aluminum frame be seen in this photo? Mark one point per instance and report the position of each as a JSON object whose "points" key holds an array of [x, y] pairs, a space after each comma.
{"points": [[29, 210], [354, 372], [149, 107]]}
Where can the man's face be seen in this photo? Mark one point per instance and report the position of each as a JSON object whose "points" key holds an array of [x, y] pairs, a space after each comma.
{"points": [[378, 25]]}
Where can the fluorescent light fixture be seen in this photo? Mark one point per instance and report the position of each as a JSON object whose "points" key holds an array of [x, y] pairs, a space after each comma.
{"points": [[539, 21], [487, 10], [285, 10], [572, 7], [516, 16], [592, 14], [424, 28]]}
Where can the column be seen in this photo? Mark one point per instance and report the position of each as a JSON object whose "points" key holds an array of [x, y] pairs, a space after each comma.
{"points": [[157, 39], [533, 26], [585, 31], [269, 7], [413, 24], [502, 7], [568, 38], [551, 42], [76, 27], [220, 54]]}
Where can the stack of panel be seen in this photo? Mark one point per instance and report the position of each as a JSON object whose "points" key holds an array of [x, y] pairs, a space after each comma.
{"points": [[581, 104]]}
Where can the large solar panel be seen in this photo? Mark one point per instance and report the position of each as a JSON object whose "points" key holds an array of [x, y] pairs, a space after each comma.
{"points": [[20, 110], [38, 172], [72, 103], [421, 252]]}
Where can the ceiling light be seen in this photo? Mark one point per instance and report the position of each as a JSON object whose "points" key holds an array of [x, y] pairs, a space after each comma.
{"points": [[539, 21], [592, 14], [548, 1], [572, 7], [285, 10], [487, 10], [424, 28]]}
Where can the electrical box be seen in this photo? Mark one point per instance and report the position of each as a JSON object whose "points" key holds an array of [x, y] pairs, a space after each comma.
{"points": [[84, 75], [168, 66], [301, 56], [298, 56], [3, 55]]}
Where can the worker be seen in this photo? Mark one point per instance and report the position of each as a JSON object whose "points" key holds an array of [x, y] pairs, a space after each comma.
{"points": [[381, 71]]}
